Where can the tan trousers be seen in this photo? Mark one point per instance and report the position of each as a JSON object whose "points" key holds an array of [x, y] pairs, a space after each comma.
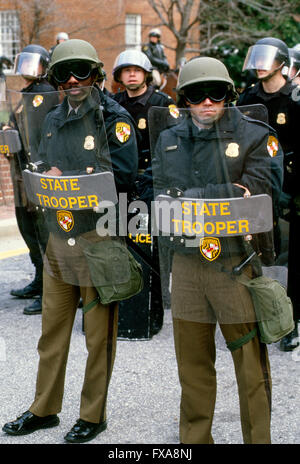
{"points": [[196, 353], [60, 302]]}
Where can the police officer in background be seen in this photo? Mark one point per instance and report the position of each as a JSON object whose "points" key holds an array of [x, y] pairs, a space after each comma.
{"points": [[60, 37], [294, 69], [132, 69], [155, 52], [31, 64], [73, 143], [269, 57], [215, 152]]}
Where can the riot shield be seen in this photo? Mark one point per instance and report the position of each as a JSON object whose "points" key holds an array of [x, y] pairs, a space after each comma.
{"points": [[215, 176], [68, 176]]}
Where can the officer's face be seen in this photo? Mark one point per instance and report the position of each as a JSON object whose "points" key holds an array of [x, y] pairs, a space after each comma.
{"points": [[77, 89], [206, 112], [132, 77], [261, 72]]}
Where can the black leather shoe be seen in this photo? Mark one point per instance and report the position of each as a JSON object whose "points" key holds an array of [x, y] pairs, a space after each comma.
{"points": [[30, 291], [290, 341], [34, 308], [28, 423], [84, 431]]}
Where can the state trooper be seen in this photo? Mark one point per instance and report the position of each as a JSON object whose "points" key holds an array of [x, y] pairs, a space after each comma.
{"points": [[32, 65], [74, 143], [132, 69], [269, 57], [215, 152], [294, 69], [155, 52]]}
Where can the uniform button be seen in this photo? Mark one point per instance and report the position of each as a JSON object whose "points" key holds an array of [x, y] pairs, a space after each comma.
{"points": [[196, 172], [71, 241]]}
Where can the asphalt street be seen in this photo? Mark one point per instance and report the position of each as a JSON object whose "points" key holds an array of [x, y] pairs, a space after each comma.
{"points": [[144, 393]]}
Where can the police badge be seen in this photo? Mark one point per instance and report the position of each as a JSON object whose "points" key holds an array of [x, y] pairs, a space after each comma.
{"points": [[89, 142], [232, 150], [210, 248], [281, 118]]}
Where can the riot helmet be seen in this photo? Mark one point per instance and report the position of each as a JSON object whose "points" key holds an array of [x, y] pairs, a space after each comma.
{"points": [[131, 58], [62, 36], [204, 77], [155, 32], [294, 68], [76, 57], [265, 53], [32, 62]]}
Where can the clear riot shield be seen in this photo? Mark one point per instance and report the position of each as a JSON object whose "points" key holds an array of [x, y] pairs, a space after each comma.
{"points": [[68, 177], [215, 174]]}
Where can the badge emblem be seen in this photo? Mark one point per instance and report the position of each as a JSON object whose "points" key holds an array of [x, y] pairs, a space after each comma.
{"points": [[122, 131], [174, 111], [232, 150], [281, 119], [89, 143], [210, 248], [38, 100], [142, 123], [65, 219], [272, 146]]}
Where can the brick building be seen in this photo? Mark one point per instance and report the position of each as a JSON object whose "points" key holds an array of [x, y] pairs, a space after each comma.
{"points": [[110, 25]]}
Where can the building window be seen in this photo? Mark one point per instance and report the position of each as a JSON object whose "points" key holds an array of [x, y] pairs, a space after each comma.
{"points": [[9, 34], [133, 31]]}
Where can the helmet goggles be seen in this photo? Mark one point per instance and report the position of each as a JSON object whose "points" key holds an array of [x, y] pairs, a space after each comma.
{"points": [[81, 70], [197, 93]]}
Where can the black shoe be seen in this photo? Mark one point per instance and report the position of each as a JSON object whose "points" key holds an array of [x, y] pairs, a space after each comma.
{"points": [[290, 341], [34, 308], [28, 423], [84, 431], [30, 291]]}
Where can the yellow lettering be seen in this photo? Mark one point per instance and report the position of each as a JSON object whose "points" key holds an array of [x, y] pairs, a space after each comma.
{"points": [[186, 208], [63, 202], [220, 226], [186, 225], [176, 224], [213, 206], [204, 209], [57, 185], [46, 201], [43, 183], [231, 227], [74, 184], [243, 224], [224, 209], [197, 227], [82, 202], [142, 238], [72, 202], [54, 202], [92, 200], [209, 228]]}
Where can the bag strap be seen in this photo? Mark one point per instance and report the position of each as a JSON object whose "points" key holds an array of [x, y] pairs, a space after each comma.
{"points": [[90, 305], [236, 344]]}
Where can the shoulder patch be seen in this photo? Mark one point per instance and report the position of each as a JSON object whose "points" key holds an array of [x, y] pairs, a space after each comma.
{"points": [[272, 146], [174, 111], [38, 100], [122, 131]]}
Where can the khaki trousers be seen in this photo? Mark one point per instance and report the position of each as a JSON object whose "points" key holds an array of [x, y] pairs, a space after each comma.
{"points": [[196, 354], [60, 302]]}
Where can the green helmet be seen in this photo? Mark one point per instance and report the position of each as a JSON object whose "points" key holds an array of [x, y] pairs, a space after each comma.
{"points": [[205, 69], [74, 49]]}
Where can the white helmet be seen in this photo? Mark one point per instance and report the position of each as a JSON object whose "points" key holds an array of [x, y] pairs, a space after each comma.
{"points": [[131, 58]]}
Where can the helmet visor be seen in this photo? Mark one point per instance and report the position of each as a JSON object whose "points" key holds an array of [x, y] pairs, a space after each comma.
{"points": [[260, 57], [29, 65], [195, 94], [81, 70]]}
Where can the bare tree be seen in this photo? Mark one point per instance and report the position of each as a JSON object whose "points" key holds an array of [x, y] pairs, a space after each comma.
{"points": [[204, 26]]}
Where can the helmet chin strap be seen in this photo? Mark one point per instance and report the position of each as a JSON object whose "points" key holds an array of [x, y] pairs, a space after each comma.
{"points": [[269, 76], [137, 87]]}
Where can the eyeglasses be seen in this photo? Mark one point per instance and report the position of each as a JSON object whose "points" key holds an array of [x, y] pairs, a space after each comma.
{"points": [[81, 70], [197, 93]]}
